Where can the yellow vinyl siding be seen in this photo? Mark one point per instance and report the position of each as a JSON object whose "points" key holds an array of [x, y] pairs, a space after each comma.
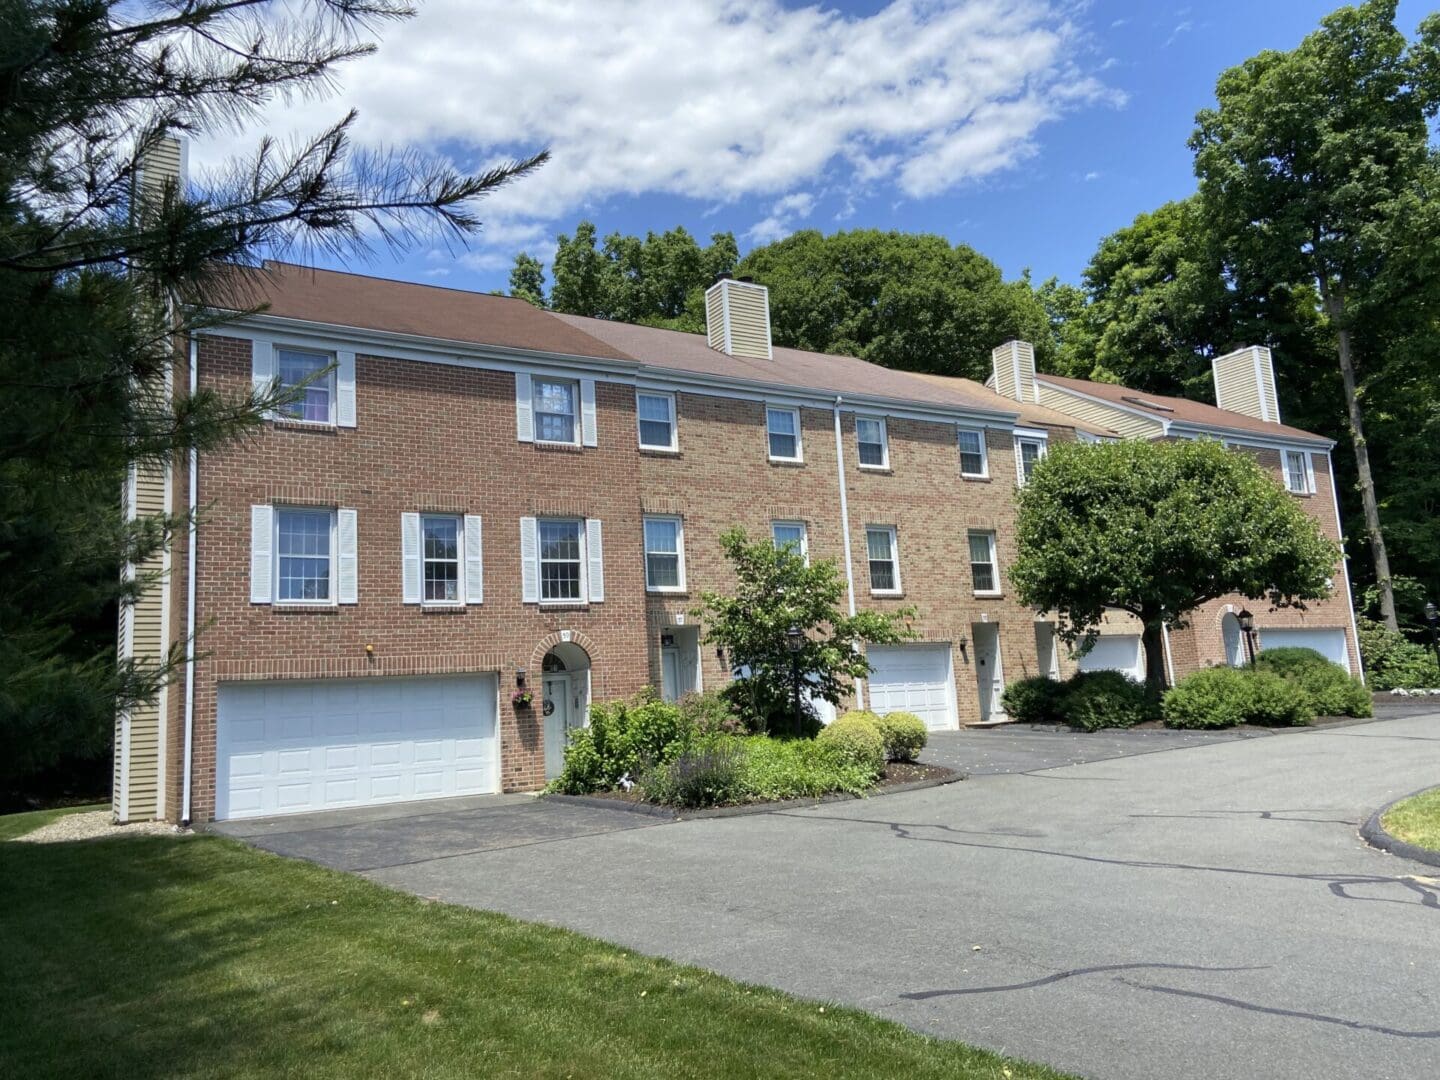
{"points": [[1014, 369], [715, 319], [143, 638], [1123, 423], [749, 323]]}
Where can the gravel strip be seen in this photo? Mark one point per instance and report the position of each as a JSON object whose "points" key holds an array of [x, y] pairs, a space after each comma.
{"points": [[92, 826]]}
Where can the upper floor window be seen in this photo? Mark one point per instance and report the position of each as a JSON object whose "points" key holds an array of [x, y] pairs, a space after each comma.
{"points": [[982, 563], [1027, 453], [792, 535], [316, 403], [664, 554], [656, 413], [884, 559], [972, 452], [783, 428], [1297, 472], [561, 559], [441, 558], [303, 547], [555, 413], [874, 446]]}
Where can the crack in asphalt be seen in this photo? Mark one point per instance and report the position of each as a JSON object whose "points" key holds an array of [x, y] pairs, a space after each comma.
{"points": [[1263, 815], [1425, 897], [1059, 976]]}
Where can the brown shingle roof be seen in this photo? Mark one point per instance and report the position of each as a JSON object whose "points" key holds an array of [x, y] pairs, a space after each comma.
{"points": [[1182, 410], [401, 307]]}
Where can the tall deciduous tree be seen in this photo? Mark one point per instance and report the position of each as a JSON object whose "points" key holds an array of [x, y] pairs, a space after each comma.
{"points": [[100, 275], [1315, 165], [775, 590], [527, 279], [1156, 529]]}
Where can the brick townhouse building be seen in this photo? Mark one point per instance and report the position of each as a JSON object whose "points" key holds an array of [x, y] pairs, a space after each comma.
{"points": [[481, 498]]}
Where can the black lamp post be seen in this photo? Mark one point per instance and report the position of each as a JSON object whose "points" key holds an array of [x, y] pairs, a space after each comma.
{"points": [[794, 642], [1432, 616], [1247, 627]]}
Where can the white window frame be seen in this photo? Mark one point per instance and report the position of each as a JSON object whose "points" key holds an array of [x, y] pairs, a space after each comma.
{"points": [[884, 441], [989, 536], [575, 404], [799, 442], [1309, 471], [894, 536], [804, 536], [979, 433], [584, 597], [460, 596], [332, 600], [1042, 447], [669, 399], [679, 551], [328, 381]]}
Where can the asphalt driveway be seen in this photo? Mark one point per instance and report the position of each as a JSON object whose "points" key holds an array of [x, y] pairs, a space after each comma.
{"points": [[1201, 912]]}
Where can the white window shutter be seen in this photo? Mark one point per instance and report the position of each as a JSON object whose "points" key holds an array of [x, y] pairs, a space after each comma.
{"points": [[595, 557], [474, 563], [1019, 465], [345, 389], [524, 410], [262, 366], [587, 412], [262, 549], [410, 558], [347, 543], [529, 561]]}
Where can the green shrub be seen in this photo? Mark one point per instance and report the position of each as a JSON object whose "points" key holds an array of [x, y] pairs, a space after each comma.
{"points": [[802, 768], [701, 776], [711, 713], [624, 738], [1037, 700], [856, 738], [1103, 699], [1329, 688], [1392, 661], [1223, 697], [904, 735]]}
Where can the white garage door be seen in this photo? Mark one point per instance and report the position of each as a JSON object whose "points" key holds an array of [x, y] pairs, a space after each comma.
{"points": [[1116, 652], [914, 679], [1328, 643], [290, 747]]}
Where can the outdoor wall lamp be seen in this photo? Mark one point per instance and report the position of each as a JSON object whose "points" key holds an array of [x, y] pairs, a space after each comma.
{"points": [[960, 643], [1432, 617], [520, 676], [1247, 627]]}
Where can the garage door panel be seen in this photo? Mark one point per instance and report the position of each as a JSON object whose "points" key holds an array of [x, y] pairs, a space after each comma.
{"points": [[913, 678], [1116, 652], [1328, 642], [360, 742]]}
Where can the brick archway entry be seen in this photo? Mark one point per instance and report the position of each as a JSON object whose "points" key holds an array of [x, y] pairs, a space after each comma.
{"points": [[567, 682]]}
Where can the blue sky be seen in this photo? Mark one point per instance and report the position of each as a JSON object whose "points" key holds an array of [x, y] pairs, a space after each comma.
{"points": [[1028, 129]]}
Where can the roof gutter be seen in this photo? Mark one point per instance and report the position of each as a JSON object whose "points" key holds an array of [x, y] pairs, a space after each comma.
{"points": [[845, 533]]}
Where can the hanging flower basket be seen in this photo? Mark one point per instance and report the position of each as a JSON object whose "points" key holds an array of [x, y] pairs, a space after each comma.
{"points": [[522, 699]]}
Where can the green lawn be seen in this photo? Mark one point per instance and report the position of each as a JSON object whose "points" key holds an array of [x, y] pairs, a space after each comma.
{"points": [[13, 825], [155, 956], [1416, 820]]}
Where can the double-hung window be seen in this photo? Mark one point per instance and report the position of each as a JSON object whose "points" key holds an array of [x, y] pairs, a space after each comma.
{"points": [[972, 452], [561, 560], [982, 564], [792, 535], [556, 410], [304, 550], [1297, 472], [656, 413], [440, 541], [782, 426], [884, 559], [316, 403], [1027, 453], [874, 446], [664, 554]]}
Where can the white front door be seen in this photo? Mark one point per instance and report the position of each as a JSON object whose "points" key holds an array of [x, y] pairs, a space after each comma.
{"points": [[679, 662], [555, 708], [989, 678], [292, 747], [1047, 655], [670, 688], [914, 679]]}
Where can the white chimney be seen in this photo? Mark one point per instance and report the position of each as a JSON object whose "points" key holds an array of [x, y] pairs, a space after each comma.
{"points": [[164, 163], [1014, 366], [737, 318], [1245, 383]]}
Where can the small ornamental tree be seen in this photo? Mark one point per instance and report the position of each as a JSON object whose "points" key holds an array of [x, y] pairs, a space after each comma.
{"points": [[1157, 529], [774, 591]]}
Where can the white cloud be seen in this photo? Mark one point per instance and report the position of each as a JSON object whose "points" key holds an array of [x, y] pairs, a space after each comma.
{"points": [[1180, 28], [715, 100], [783, 216], [1090, 177]]}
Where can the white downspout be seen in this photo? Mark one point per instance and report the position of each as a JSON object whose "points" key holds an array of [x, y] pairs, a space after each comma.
{"points": [[845, 532], [191, 503], [1345, 567]]}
